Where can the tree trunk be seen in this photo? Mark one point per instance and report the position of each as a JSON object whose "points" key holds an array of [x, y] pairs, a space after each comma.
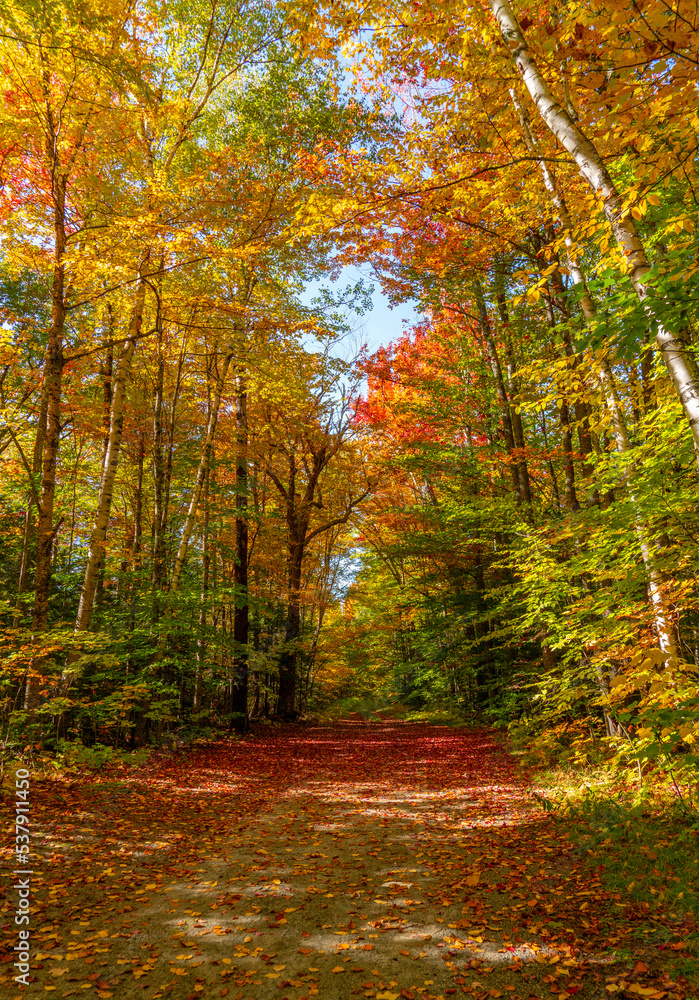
{"points": [[239, 700], [201, 641], [496, 369], [552, 471], [680, 365], [52, 389], [107, 373], [159, 507], [45, 529], [199, 481], [572, 502], [515, 415], [286, 704], [29, 537], [662, 614], [111, 461], [564, 416], [137, 543]]}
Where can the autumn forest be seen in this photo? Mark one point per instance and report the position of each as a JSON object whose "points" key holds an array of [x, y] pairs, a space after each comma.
{"points": [[216, 504], [226, 515]]}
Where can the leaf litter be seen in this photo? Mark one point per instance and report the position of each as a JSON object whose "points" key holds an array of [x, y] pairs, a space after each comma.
{"points": [[378, 860]]}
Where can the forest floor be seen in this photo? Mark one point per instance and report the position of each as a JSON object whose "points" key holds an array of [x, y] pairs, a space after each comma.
{"points": [[384, 860]]}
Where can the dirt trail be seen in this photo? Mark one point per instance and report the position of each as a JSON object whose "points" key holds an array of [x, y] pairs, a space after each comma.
{"points": [[380, 860]]}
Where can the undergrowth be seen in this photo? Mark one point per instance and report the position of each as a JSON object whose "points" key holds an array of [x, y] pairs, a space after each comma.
{"points": [[644, 841]]}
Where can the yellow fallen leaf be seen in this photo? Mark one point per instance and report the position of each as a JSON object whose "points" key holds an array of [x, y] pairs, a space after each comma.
{"points": [[338, 968], [387, 996]]}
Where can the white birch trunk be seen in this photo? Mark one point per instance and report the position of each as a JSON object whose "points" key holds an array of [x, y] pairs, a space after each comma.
{"points": [[592, 168], [662, 618]]}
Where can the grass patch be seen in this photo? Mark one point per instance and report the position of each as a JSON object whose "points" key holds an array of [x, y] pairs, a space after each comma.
{"points": [[436, 716], [646, 841], [375, 709]]}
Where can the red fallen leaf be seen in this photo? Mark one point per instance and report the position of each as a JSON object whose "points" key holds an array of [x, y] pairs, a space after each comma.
{"points": [[640, 967], [305, 951], [305, 934]]}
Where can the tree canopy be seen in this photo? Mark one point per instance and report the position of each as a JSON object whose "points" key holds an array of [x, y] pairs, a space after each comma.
{"points": [[213, 509]]}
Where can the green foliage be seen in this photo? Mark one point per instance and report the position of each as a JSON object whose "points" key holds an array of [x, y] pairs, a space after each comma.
{"points": [[75, 757], [639, 839]]}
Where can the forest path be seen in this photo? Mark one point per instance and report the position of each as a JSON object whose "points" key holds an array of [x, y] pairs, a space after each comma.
{"points": [[382, 860]]}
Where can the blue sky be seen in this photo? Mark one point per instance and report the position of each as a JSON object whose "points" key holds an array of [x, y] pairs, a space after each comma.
{"points": [[382, 324]]}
